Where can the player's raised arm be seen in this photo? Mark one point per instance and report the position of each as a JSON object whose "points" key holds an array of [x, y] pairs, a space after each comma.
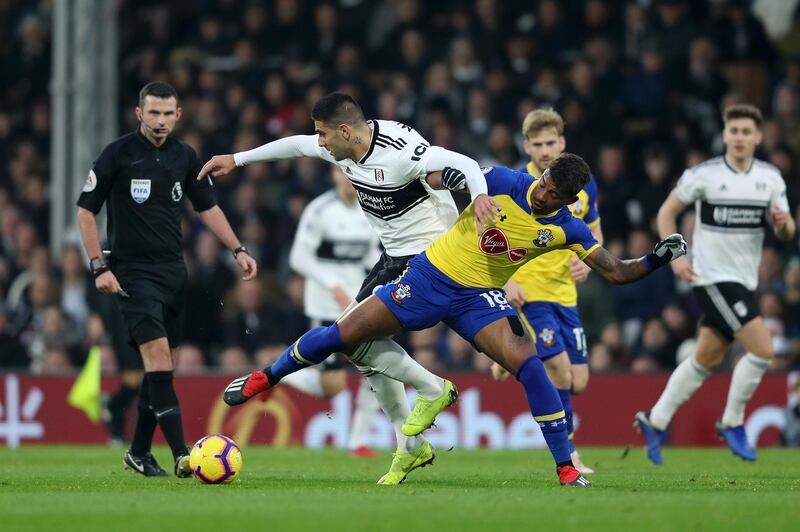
{"points": [[619, 271], [285, 148]]}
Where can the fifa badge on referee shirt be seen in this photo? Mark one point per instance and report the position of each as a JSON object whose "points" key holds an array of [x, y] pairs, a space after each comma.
{"points": [[140, 190]]}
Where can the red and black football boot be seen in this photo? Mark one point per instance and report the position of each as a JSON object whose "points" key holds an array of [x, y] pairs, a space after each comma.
{"points": [[244, 388], [569, 476]]}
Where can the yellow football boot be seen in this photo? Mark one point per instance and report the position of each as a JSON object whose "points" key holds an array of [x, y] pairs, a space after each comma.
{"points": [[426, 410], [404, 463]]}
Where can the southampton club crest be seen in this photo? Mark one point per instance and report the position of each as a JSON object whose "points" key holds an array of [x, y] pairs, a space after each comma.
{"points": [[402, 292], [543, 237], [548, 337]]}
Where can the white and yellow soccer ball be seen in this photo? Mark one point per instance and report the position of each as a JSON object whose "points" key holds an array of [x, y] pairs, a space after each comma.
{"points": [[215, 459]]}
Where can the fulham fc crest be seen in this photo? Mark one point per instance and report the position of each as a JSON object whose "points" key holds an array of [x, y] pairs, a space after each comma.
{"points": [[140, 190], [379, 175]]}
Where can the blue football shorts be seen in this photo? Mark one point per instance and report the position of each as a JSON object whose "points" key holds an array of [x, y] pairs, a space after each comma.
{"points": [[423, 296], [556, 328]]}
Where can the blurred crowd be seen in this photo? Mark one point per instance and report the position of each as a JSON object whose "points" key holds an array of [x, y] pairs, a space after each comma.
{"points": [[640, 85]]}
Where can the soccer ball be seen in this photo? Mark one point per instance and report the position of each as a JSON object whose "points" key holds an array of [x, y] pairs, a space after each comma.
{"points": [[215, 459]]}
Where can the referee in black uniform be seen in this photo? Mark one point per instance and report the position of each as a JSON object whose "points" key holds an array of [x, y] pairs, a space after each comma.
{"points": [[142, 177]]}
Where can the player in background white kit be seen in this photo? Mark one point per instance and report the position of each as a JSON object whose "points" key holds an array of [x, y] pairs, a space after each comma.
{"points": [[387, 163], [735, 197], [333, 249]]}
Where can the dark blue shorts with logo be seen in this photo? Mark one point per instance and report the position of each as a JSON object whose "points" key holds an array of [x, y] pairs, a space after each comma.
{"points": [[556, 328], [423, 296]]}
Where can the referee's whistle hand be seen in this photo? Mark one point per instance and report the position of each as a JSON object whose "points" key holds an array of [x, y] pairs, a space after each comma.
{"points": [[248, 265], [218, 165], [107, 283]]}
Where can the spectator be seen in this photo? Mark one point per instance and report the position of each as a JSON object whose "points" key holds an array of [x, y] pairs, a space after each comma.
{"points": [[640, 85], [12, 353]]}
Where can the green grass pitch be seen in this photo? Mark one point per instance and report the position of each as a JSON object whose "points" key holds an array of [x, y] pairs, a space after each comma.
{"points": [[85, 488]]}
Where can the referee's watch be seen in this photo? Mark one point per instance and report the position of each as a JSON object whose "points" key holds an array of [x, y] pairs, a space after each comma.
{"points": [[98, 266], [238, 250]]}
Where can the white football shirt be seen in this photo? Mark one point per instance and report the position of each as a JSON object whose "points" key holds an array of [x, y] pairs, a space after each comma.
{"points": [[390, 181], [334, 246], [732, 210]]}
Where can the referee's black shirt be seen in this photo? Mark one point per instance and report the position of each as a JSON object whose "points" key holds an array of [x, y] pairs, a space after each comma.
{"points": [[144, 185]]}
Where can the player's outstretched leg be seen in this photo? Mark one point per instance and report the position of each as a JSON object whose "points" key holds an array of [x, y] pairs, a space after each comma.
{"points": [[548, 412], [654, 438], [312, 348]]}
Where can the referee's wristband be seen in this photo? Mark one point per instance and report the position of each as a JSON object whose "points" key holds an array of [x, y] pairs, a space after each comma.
{"points": [[98, 267]]}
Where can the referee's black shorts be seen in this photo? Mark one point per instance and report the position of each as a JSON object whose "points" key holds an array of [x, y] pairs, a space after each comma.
{"points": [[155, 307], [726, 307], [128, 356]]}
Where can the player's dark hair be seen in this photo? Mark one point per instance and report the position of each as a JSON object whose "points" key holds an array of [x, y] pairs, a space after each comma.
{"points": [[743, 110], [338, 108], [569, 173], [158, 89]]}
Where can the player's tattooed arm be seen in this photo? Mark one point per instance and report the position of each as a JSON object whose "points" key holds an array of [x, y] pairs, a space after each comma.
{"points": [[619, 271], [615, 270]]}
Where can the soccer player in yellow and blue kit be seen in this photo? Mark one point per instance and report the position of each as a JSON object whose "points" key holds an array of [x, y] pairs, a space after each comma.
{"points": [[458, 280], [544, 290]]}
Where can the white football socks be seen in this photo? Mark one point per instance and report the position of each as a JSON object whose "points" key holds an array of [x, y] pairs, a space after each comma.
{"points": [[307, 380], [746, 377], [683, 382], [391, 396], [365, 409], [387, 357]]}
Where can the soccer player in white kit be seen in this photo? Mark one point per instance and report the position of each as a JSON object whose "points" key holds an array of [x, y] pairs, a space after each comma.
{"points": [[387, 163], [333, 249], [735, 197]]}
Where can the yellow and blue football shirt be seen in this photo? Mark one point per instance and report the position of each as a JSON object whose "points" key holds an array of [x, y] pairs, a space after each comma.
{"points": [[489, 259], [548, 277]]}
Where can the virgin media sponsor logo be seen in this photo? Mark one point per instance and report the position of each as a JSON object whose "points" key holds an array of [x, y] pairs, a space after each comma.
{"points": [[494, 242]]}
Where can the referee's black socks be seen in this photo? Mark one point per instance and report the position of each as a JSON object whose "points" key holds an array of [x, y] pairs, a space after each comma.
{"points": [[164, 403], [145, 422]]}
